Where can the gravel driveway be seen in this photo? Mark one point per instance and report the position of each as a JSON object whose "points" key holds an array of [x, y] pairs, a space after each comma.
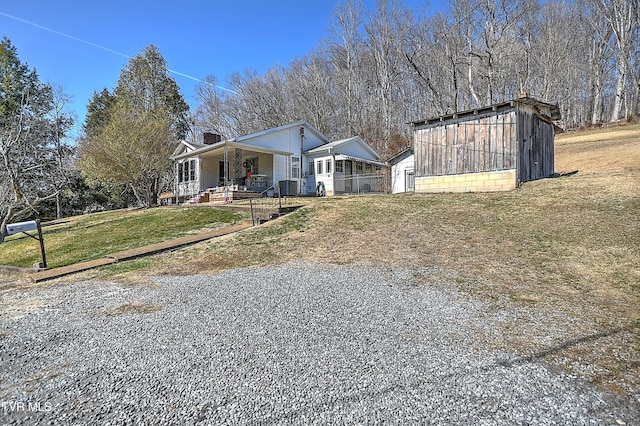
{"points": [[295, 343]]}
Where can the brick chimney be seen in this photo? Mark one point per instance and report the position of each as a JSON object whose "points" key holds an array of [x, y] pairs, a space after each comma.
{"points": [[211, 138]]}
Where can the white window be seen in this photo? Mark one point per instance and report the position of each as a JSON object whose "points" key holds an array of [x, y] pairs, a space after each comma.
{"points": [[368, 168], [339, 166], [192, 170], [319, 167], [359, 167], [311, 168], [295, 167], [328, 166], [185, 171]]}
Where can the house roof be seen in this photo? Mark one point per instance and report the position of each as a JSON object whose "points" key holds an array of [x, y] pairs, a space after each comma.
{"points": [[552, 108], [404, 153], [335, 145], [231, 143], [304, 123], [239, 142], [352, 158]]}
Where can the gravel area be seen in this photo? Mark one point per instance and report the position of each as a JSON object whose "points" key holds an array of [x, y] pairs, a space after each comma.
{"points": [[291, 344]]}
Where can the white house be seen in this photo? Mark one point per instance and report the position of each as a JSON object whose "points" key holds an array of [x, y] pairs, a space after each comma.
{"points": [[402, 171], [344, 166], [292, 159]]}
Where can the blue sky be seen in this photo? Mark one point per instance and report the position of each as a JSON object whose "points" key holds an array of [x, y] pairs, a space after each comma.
{"points": [[83, 45]]}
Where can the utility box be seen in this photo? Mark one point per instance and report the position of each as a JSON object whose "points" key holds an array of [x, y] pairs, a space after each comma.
{"points": [[288, 188], [16, 228]]}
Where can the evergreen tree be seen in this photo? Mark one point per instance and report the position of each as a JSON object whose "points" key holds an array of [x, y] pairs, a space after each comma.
{"points": [[130, 135]]}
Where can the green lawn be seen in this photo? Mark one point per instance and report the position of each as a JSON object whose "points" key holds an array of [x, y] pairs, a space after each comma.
{"points": [[92, 236]]}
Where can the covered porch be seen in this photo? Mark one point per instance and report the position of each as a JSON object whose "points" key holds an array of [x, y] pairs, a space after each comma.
{"points": [[228, 171]]}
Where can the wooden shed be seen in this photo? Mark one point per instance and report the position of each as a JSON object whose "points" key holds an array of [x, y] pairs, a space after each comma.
{"points": [[494, 148]]}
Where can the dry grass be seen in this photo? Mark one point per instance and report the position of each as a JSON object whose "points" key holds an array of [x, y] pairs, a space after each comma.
{"points": [[604, 150], [567, 246], [549, 239]]}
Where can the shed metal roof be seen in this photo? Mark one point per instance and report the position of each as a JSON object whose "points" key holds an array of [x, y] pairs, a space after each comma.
{"points": [[496, 108]]}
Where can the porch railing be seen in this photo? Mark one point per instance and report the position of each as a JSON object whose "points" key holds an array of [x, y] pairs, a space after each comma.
{"points": [[267, 205]]}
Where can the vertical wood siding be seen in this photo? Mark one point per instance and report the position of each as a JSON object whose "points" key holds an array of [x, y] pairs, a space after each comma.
{"points": [[535, 145], [459, 146], [515, 139]]}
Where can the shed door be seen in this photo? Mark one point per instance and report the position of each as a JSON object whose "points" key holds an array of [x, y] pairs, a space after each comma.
{"points": [[409, 181]]}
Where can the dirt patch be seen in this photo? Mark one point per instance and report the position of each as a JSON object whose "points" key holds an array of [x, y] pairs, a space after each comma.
{"points": [[14, 308], [134, 307]]}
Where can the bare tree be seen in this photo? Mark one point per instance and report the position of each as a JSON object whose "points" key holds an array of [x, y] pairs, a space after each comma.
{"points": [[378, 69], [31, 131], [344, 49], [386, 30], [313, 96], [63, 152], [621, 15], [211, 115]]}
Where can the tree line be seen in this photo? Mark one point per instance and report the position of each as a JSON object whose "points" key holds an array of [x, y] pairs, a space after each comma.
{"points": [[374, 72], [121, 157]]}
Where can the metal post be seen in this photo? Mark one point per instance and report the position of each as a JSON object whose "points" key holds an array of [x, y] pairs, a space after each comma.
{"points": [[226, 174], [44, 258]]}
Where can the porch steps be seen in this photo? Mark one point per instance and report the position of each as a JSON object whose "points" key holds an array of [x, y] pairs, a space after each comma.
{"points": [[282, 211], [223, 197]]}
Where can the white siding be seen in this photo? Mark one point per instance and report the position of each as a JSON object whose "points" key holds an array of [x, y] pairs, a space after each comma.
{"points": [[354, 149], [285, 140], [279, 169], [398, 173]]}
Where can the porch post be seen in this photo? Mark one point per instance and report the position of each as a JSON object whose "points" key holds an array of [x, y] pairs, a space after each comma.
{"points": [[175, 182], [333, 172], [237, 165], [226, 166]]}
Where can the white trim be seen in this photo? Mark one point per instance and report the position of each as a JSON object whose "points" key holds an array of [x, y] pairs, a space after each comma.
{"points": [[331, 146], [352, 158], [230, 144]]}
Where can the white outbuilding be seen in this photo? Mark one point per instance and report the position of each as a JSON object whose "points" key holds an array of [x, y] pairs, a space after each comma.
{"points": [[402, 171]]}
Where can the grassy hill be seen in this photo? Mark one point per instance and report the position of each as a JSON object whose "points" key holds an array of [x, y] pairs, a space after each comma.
{"points": [[92, 236], [577, 234]]}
